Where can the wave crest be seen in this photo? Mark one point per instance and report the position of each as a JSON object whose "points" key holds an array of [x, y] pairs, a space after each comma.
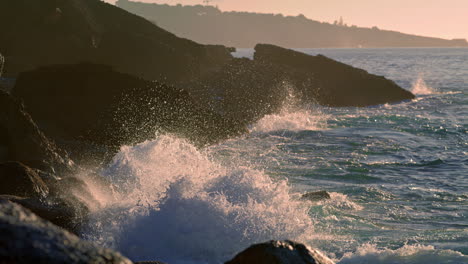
{"points": [[175, 203]]}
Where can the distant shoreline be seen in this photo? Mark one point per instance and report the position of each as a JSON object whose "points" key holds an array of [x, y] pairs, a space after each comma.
{"points": [[210, 25]]}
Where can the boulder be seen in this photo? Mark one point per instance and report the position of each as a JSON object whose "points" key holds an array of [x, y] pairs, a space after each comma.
{"points": [[316, 196], [73, 31], [22, 141], [26, 238], [246, 90], [330, 82], [95, 104], [17, 179], [63, 201], [280, 252], [242, 90]]}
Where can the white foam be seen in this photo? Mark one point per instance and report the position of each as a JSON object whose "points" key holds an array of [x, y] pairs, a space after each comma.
{"points": [[175, 204], [408, 254], [421, 88], [292, 117]]}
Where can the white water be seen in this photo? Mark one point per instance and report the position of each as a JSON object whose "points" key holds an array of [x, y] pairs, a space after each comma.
{"points": [[421, 88], [174, 203], [414, 254]]}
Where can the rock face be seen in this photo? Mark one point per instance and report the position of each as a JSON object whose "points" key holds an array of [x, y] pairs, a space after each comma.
{"points": [[242, 90], [73, 31], [93, 103], [25, 238], [21, 140], [18, 179], [246, 90], [316, 196], [279, 252], [330, 82]]}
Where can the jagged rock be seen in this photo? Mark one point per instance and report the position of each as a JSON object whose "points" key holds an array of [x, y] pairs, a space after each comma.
{"points": [[72, 31], [280, 252], [149, 262], [316, 196], [25, 238], [242, 90], [21, 140], [17, 179], [330, 82], [93, 103], [246, 90]]}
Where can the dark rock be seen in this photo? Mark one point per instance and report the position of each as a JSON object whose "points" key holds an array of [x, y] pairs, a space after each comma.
{"points": [[316, 196], [242, 90], [330, 82], [149, 262], [73, 31], [25, 238], [56, 211], [21, 140], [246, 90], [20, 180], [280, 252], [93, 103]]}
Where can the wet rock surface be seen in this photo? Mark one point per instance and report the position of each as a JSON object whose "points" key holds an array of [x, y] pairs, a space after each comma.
{"points": [[26, 238], [280, 252], [21, 140], [95, 104]]}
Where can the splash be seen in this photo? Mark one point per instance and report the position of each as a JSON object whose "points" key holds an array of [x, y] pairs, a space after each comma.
{"points": [[421, 88], [411, 254], [175, 203], [292, 117]]}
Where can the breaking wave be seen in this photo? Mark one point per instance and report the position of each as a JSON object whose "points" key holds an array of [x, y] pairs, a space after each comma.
{"points": [[174, 203]]}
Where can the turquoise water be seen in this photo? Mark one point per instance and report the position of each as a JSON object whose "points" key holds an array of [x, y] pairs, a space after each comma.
{"points": [[397, 175]]}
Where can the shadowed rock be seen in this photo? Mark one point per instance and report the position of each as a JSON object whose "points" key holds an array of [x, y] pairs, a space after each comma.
{"points": [[246, 90], [280, 252], [17, 179], [330, 82], [21, 140], [25, 238], [316, 196], [73, 31], [93, 103]]}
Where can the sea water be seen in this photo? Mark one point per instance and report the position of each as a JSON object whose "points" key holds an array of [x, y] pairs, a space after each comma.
{"points": [[397, 175]]}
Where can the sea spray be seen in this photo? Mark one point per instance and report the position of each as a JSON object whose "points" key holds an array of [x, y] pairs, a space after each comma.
{"points": [[414, 254], [293, 116], [421, 88], [177, 204]]}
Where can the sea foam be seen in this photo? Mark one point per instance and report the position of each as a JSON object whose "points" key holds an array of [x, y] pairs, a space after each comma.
{"points": [[175, 203]]}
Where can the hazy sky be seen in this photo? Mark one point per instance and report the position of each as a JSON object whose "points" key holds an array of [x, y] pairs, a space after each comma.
{"points": [[435, 18]]}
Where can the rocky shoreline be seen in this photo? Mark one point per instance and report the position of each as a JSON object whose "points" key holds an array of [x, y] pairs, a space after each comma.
{"points": [[87, 84]]}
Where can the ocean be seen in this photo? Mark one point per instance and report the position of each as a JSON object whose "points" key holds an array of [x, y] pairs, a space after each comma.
{"points": [[397, 175]]}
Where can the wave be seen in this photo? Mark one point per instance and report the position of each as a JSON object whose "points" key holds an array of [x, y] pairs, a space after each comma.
{"points": [[421, 88], [411, 254], [299, 120], [175, 203]]}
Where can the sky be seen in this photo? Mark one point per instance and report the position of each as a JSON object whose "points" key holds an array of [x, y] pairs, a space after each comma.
{"points": [[435, 18]]}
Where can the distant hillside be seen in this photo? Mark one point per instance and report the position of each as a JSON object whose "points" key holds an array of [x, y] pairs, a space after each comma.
{"points": [[209, 25]]}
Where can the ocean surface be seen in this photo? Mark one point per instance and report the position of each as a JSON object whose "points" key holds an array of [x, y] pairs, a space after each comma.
{"points": [[397, 175]]}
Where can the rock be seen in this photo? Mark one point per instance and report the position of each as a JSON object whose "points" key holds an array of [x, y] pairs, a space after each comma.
{"points": [[25, 238], [22, 141], [316, 196], [93, 103], [73, 31], [246, 90], [149, 262], [280, 252], [330, 82], [242, 90], [20, 180]]}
